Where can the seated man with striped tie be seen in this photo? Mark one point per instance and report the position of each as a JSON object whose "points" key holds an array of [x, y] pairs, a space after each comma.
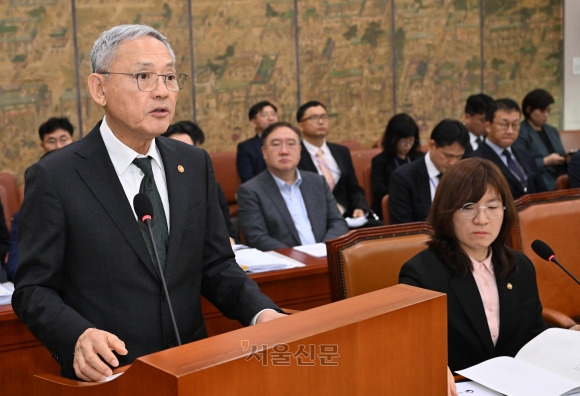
{"points": [[282, 206], [518, 166], [413, 185], [333, 161]]}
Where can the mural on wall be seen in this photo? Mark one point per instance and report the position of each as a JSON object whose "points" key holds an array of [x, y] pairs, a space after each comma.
{"points": [[365, 59]]}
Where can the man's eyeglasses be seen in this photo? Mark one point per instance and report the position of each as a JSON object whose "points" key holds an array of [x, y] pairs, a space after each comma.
{"points": [[147, 81], [277, 145], [314, 118], [504, 126], [493, 210]]}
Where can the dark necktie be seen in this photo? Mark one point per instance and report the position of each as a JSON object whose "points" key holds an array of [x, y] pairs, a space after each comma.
{"points": [[514, 167], [478, 141], [159, 222]]}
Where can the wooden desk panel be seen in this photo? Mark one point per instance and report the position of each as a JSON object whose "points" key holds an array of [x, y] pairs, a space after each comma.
{"points": [[296, 288], [22, 356]]}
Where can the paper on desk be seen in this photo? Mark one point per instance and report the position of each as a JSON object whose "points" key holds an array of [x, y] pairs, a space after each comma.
{"points": [[6, 290], [547, 365], [316, 249], [355, 222], [474, 389], [254, 260]]}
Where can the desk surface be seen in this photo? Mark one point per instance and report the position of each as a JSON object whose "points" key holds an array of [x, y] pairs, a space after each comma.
{"points": [[21, 355]]}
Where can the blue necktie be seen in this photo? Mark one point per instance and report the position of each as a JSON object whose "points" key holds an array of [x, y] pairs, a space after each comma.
{"points": [[514, 167], [159, 222]]}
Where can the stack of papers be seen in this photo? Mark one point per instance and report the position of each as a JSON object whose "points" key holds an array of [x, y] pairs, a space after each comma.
{"points": [[547, 365], [6, 290], [316, 250], [254, 260]]}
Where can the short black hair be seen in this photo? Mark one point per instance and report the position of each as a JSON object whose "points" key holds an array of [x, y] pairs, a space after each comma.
{"points": [[536, 99], [255, 109], [505, 104], [477, 104], [302, 109], [448, 131], [54, 123], [187, 127], [277, 125]]}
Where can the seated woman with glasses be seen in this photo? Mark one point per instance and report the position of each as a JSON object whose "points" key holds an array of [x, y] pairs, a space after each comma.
{"points": [[400, 146], [543, 141], [493, 306]]}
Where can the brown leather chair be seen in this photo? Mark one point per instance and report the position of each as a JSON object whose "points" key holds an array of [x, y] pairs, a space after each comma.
{"points": [[4, 200], [368, 259], [12, 195], [562, 182], [553, 217], [226, 174], [385, 210], [570, 139], [361, 160]]}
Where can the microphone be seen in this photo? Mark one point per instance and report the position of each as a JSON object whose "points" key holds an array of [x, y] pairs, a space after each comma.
{"points": [[144, 211], [545, 252]]}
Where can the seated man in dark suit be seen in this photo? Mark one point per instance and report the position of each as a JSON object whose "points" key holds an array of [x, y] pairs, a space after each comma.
{"points": [[475, 110], [517, 165], [331, 160], [413, 186], [249, 159], [283, 207]]}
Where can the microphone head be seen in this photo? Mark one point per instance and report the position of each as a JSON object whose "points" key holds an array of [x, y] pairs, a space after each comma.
{"points": [[542, 250], [143, 207]]}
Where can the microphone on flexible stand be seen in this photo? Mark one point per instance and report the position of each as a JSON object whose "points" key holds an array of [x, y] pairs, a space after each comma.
{"points": [[545, 252], [144, 211]]}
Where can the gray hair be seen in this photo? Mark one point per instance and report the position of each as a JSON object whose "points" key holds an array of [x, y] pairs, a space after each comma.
{"points": [[105, 48]]}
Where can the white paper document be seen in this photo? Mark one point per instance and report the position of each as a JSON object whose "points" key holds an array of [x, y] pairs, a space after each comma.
{"points": [[254, 260], [547, 365], [470, 388], [316, 249], [6, 290], [356, 222]]}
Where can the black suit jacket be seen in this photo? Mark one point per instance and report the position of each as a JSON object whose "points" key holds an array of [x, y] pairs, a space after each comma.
{"points": [[84, 262], [410, 193], [347, 191], [382, 167], [469, 338], [249, 158], [534, 184]]}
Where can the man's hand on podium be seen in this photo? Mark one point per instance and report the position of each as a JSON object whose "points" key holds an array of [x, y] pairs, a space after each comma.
{"points": [[93, 345], [451, 389], [268, 315]]}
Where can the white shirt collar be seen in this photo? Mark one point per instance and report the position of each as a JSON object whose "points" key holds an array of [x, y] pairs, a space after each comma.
{"points": [[312, 149], [431, 168], [122, 155]]}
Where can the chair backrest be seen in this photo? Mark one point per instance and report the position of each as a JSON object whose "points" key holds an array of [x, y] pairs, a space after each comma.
{"points": [[4, 200], [385, 210], [12, 195], [562, 182], [226, 174], [368, 186], [361, 160], [553, 217], [351, 144], [368, 259], [570, 139]]}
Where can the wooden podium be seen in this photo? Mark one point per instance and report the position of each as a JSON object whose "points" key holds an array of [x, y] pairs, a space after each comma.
{"points": [[392, 341]]}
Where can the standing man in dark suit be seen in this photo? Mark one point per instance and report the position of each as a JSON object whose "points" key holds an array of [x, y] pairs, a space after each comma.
{"points": [[413, 186], [87, 286], [283, 207], [331, 160], [249, 159], [517, 165]]}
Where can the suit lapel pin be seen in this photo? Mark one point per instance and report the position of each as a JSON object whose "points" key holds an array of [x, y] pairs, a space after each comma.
{"points": [[509, 286], [180, 168]]}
